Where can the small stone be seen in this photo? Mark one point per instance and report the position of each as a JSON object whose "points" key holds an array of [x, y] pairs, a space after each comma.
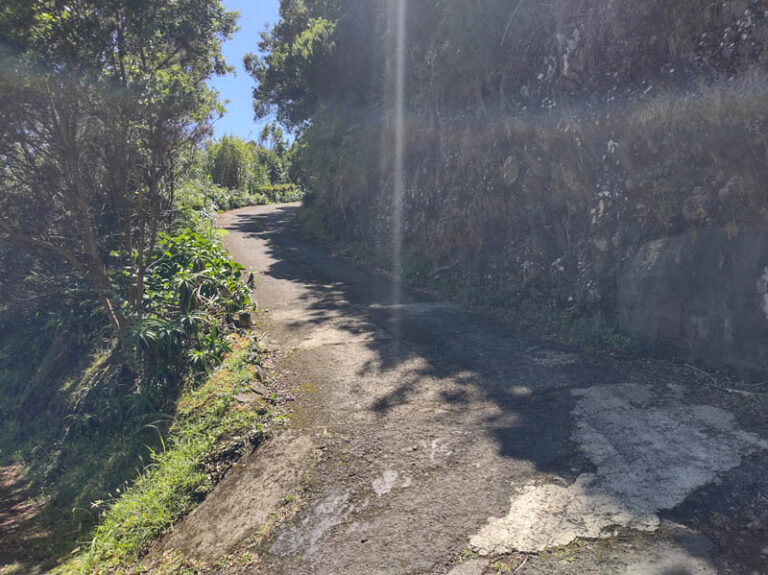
{"points": [[470, 567], [247, 398], [258, 389], [765, 550]]}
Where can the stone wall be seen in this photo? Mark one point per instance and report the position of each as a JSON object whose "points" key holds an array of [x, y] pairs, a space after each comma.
{"points": [[602, 156]]}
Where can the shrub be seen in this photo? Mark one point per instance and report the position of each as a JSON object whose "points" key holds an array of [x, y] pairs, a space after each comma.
{"points": [[230, 163], [192, 292], [281, 193]]}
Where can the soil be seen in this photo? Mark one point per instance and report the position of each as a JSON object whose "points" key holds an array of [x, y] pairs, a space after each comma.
{"points": [[22, 539]]}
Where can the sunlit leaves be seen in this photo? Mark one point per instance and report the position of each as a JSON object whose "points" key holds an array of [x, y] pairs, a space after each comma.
{"points": [[98, 101], [192, 289]]}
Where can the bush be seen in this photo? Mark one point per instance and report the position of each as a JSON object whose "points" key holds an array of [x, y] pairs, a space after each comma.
{"points": [[192, 292], [282, 193], [230, 163], [80, 408], [198, 200], [196, 203]]}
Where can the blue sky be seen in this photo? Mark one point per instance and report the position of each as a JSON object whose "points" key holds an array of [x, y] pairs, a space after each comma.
{"points": [[238, 87]]}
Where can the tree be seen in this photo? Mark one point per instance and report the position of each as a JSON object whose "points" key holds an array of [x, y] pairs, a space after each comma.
{"points": [[272, 137], [296, 50], [97, 100], [323, 73], [230, 163]]}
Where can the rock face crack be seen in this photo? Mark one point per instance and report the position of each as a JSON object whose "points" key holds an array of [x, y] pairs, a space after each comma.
{"points": [[648, 458]]}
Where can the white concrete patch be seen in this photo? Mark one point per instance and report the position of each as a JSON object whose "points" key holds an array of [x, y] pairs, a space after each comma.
{"points": [[648, 458], [384, 484], [306, 535]]}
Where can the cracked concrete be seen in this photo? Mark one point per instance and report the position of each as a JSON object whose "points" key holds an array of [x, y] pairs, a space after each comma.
{"points": [[437, 424], [648, 458], [257, 484]]}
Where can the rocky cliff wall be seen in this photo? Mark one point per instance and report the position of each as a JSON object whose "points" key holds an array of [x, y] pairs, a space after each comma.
{"points": [[599, 156]]}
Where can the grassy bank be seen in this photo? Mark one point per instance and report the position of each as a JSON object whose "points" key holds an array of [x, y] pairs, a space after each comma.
{"points": [[110, 438], [232, 411]]}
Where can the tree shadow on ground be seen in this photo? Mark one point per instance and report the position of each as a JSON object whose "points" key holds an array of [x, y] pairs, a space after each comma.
{"points": [[527, 379], [514, 370], [23, 539]]}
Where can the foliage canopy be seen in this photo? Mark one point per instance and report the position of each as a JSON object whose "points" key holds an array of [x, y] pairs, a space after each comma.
{"points": [[98, 101]]}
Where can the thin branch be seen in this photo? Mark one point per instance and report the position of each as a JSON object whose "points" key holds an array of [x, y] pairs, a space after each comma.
{"points": [[522, 564]]}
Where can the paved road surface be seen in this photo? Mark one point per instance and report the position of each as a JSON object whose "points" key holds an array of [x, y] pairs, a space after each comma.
{"points": [[430, 439]]}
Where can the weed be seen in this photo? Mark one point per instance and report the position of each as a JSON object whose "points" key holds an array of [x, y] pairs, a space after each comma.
{"points": [[465, 554]]}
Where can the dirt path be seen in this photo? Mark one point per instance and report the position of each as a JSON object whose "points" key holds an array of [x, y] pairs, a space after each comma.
{"points": [[22, 540], [443, 441]]}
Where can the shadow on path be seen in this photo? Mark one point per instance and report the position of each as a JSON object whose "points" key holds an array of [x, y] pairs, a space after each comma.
{"points": [[23, 542], [521, 374], [527, 381]]}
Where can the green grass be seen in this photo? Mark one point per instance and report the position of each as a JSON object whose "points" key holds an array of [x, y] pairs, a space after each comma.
{"points": [[207, 420]]}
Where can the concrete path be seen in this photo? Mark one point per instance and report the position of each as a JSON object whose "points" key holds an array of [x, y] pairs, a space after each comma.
{"points": [[445, 441]]}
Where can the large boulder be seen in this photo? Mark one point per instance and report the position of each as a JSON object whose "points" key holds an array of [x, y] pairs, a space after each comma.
{"points": [[704, 293]]}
